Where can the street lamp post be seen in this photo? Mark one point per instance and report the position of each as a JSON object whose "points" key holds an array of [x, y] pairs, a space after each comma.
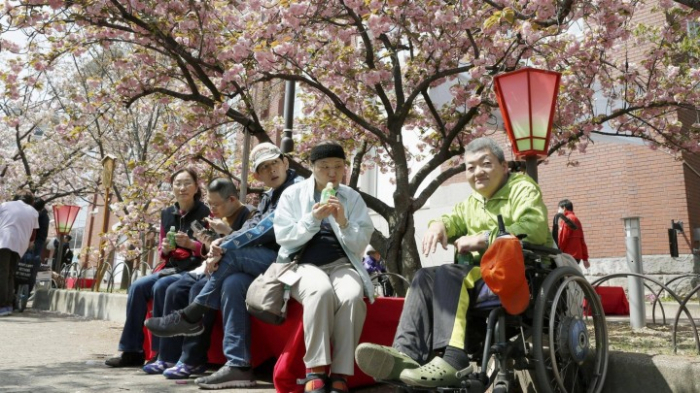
{"points": [[64, 218], [527, 99], [287, 144], [107, 174]]}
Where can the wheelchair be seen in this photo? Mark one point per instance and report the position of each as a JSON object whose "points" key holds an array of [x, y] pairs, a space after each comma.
{"points": [[558, 344]]}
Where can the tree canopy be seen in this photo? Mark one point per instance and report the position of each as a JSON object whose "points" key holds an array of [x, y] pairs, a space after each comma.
{"points": [[372, 71]]}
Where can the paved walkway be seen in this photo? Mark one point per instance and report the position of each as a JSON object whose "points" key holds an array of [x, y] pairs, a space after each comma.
{"points": [[44, 351]]}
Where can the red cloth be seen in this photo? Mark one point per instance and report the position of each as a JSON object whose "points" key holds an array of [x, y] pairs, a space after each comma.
{"points": [[571, 241], [614, 300], [286, 342], [72, 282]]}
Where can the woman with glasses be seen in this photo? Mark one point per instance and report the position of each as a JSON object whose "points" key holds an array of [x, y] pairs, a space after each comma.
{"points": [[327, 239], [185, 255]]}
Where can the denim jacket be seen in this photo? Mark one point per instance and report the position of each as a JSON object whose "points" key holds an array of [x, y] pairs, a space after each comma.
{"points": [[295, 225]]}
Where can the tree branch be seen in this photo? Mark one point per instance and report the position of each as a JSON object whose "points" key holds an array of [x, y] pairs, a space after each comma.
{"points": [[437, 182]]}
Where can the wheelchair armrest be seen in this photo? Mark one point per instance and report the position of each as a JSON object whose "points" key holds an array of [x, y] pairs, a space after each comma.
{"points": [[541, 249]]}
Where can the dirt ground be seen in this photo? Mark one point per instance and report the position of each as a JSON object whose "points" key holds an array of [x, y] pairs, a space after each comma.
{"points": [[654, 339]]}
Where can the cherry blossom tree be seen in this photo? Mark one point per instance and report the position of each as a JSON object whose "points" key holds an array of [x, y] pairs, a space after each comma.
{"points": [[370, 72]]}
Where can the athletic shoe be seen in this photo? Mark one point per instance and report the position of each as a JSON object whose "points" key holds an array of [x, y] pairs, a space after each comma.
{"points": [[4, 311], [157, 367], [183, 371], [227, 377], [173, 325]]}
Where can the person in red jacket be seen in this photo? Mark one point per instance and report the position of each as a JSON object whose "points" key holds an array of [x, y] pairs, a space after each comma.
{"points": [[571, 239]]}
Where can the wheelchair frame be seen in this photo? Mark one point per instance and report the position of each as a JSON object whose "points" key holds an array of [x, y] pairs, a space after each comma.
{"points": [[553, 340]]}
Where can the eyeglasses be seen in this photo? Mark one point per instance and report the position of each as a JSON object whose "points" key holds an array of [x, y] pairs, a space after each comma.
{"points": [[216, 205]]}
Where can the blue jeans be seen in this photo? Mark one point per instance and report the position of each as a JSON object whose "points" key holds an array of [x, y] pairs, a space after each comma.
{"points": [[140, 292], [236, 319], [196, 348], [251, 260], [189, 350], [176, 297]]}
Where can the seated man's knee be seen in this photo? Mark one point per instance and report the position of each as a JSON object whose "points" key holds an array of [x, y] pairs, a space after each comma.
{"points": [[236, 285], [424, 276]]}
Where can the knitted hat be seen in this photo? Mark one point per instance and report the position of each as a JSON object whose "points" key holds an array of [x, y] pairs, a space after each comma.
{"points": [[326, 150]]}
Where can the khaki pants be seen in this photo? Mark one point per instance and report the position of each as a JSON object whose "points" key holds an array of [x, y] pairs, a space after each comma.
{"points": [[334, 314]]}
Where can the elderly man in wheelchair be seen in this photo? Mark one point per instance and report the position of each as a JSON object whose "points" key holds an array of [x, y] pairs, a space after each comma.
{"points": [[503, 307]]}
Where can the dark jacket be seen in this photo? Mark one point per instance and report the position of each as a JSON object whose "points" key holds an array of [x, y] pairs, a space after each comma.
{"points": [[171, 216], [267, 206], [43, 233]]}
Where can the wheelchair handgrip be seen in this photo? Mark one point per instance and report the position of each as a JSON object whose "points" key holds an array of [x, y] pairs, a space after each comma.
{"points": [[540, 249]]}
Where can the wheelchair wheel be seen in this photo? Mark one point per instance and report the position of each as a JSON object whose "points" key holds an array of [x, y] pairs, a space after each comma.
{"points": [[21, 297], [570, 339]]}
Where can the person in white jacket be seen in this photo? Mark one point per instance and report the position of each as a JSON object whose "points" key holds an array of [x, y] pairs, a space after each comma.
{"points": [[327, 240]]}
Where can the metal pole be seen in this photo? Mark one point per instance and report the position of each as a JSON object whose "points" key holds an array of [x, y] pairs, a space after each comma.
{"points": [[244, 171], [531, 167], [635, 287], [287, 144], [58, 258]]}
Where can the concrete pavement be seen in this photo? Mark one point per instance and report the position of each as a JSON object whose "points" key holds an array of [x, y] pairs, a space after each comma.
{"points": [[47, 352], [42, 351]]}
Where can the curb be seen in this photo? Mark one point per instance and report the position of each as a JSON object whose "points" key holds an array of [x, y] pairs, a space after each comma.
{"points": [[97, 305], [637, 372], [627, 371]]}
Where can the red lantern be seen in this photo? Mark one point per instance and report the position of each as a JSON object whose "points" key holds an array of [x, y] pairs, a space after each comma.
{"points": [[64, 218], [527, 98]]}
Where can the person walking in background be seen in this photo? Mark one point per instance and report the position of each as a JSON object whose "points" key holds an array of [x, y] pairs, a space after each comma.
{"points": [[39, 242], [66, 258], [19, 222], [570, 237]]}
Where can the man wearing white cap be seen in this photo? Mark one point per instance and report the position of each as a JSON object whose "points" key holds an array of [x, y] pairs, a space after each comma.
{"points": [[244, 254]]}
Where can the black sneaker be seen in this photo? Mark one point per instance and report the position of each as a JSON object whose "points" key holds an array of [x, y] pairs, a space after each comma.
{"points": [[127, 359], [227, 377], [173, 325]]}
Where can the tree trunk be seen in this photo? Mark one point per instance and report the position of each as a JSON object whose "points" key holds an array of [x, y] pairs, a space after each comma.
{"points": [[402, 252]]}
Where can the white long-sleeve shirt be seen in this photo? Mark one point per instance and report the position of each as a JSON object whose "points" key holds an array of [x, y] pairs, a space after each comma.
{"points": [[295, 225], [17, 222]]}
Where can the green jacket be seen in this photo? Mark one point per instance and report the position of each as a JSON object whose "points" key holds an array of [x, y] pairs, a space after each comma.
{"points": [[520, 203]]}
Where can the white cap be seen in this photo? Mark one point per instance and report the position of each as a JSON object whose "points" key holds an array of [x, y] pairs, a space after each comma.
{"points": [[264, 152]]}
